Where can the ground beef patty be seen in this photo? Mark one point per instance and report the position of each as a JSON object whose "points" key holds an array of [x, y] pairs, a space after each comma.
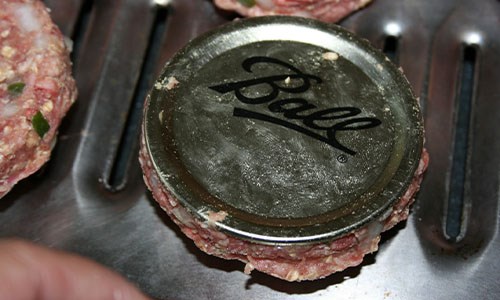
{"points": [[324, 10], [36, 88]]}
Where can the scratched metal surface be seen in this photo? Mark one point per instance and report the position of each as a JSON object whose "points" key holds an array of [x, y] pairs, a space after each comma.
{"points": [[90, 198]]}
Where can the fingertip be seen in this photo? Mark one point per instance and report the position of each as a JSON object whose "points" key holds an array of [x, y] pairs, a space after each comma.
{"points": [[128, 294], [28, 269]]}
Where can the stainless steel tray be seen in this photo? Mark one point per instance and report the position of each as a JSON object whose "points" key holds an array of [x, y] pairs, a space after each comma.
{"points": [[90, 198]]}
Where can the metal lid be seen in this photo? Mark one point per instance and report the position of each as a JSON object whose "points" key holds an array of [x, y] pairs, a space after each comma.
{"points": [[297, 129]]}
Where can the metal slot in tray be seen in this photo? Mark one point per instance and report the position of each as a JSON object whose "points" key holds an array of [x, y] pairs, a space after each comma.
{"points": [[90, 198]]}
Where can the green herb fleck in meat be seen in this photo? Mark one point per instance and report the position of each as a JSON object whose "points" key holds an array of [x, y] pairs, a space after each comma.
{"points": [[16, 89], [40, 124], [247, 3]]}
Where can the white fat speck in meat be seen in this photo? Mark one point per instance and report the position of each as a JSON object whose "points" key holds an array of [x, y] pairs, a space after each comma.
{"points": [[8, 110], [27, 17]]}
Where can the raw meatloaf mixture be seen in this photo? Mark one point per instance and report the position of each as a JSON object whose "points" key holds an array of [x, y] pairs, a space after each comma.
{"points": [[36, 88], [289, 262], [324, 10]]}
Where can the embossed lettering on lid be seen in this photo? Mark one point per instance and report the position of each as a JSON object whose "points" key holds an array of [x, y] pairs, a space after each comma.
{"points": [[298, 130]]}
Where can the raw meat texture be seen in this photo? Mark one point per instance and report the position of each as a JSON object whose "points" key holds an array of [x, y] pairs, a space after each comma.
{"points": [[36, 88], [324, 10]]}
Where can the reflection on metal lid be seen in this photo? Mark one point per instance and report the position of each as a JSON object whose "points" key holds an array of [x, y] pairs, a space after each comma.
{"points": [[297, 129]]}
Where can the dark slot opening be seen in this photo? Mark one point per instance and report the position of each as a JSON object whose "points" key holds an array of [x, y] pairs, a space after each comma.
{"points": [[458, 177], [391, 48], [80, 29], [128, 147]]}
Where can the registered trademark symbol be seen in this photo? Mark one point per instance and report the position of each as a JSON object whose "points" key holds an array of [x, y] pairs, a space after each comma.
{"points": [[342, 158]]}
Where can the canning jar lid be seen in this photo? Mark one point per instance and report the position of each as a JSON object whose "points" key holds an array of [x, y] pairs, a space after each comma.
{"points": [[300, 131]]}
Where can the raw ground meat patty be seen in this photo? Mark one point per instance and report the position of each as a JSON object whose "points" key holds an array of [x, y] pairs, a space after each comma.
{"points": [[36, 88], [324, 10]]}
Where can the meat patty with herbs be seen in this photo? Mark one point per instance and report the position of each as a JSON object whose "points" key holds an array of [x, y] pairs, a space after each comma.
{"points": [[36, 88]]}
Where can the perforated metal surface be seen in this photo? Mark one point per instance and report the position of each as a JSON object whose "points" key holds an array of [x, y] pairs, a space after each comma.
{"points": [[90, 198]]}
